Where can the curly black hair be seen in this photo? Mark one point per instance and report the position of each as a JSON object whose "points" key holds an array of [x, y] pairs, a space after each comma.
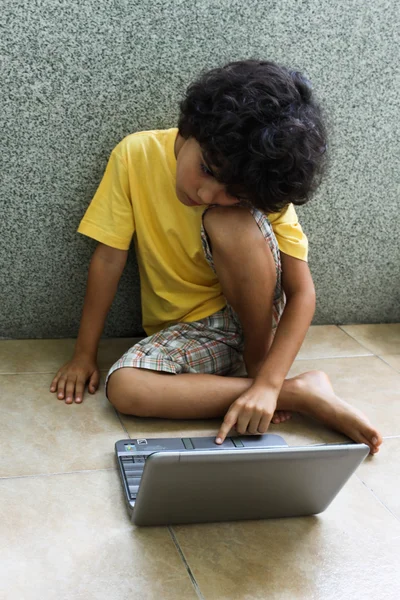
{"points": [[260, 128]]}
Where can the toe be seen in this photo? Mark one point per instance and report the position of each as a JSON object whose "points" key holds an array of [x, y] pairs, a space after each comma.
{"points": [[373, 440], [280, 416], [376, 442]]}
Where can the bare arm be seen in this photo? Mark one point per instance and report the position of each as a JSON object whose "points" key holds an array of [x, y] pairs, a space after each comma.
{"points": [[295, 321], [253, 410], [105, 270], [248, 281]]}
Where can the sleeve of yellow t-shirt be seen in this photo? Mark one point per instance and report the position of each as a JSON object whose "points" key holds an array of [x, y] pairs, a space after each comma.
{"points": [[289, 234], [109, 218]]}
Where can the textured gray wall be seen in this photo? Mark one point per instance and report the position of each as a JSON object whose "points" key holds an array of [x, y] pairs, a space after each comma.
{"points": [[77, 76]]}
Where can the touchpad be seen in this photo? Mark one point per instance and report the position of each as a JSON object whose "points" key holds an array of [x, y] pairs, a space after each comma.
{"points": [[262, 441], [208, 443]]}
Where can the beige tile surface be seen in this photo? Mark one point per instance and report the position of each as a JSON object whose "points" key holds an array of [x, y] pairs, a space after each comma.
{"points": [[73, 539], [392, 359], [381, 474], [329, 341], [69, 537], [379, 339], [365, 382], [47, 356], [350, 552], [40, 434], [26, 356]]}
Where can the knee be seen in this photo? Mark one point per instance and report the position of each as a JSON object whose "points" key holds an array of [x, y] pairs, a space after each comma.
{"points": [[226, 218], [232, 228], [240, 251], [122, 393]]}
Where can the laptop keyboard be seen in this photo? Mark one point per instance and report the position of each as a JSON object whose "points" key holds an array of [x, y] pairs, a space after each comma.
{"points": [[132, 467]]}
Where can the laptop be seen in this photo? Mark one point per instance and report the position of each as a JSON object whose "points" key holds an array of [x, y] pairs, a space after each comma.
{"points": [[169, 481]]}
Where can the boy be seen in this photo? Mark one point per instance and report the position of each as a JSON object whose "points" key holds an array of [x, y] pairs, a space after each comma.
{"points": [[222, 259]]}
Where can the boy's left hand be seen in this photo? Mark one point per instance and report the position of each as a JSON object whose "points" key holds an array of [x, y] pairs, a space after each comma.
{"points": [[251, 412]]}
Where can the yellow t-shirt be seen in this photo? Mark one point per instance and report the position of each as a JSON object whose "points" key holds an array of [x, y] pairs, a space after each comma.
{"points": [[137, 196]]}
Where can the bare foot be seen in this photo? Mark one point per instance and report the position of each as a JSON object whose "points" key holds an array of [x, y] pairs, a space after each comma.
{"points": [[318, 400], [280, 416]]}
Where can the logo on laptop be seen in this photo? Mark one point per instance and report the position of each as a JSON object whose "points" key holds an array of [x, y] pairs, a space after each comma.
{"points": [[141, 441]]}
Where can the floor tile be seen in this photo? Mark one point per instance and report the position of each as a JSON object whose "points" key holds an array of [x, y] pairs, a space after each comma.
{"points": [[34, 356], [379, 339], [69, 537], [325, 341], [365, 382], [392, 359], [349, 551], [47, 356], [328, 341], [40, 434], [381, 474]]}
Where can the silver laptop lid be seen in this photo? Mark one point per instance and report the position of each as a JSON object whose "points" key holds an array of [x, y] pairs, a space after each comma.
{"points": [[194, 486]]}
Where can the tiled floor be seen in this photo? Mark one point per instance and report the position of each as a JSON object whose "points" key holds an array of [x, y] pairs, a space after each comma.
{"points": [[65, 532]]}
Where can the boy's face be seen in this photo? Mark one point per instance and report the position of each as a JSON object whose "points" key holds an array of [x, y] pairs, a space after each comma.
{"points": [[195, 183]]}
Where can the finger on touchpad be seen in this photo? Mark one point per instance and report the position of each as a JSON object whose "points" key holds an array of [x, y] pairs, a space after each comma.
{"points": [[208, 443]]}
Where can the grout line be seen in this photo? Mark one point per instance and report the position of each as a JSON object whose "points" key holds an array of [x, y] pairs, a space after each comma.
{"points": [[328, 357], [189, 570], [43, 372], [27, 373], [59, 473], [377, 498], [121, 422], [356, 340], [388, 364], [335, 356]]}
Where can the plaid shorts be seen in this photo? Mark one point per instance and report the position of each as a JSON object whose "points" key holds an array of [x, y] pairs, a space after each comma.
{"points": [[211, 345]]}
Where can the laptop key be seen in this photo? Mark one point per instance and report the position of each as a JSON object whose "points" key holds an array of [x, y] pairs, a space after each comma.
{"points": [[133, 481], [136, 473], [134, 467]]}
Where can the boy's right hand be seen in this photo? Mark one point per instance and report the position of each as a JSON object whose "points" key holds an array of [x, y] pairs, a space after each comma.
{"points": [[71, 379]]}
